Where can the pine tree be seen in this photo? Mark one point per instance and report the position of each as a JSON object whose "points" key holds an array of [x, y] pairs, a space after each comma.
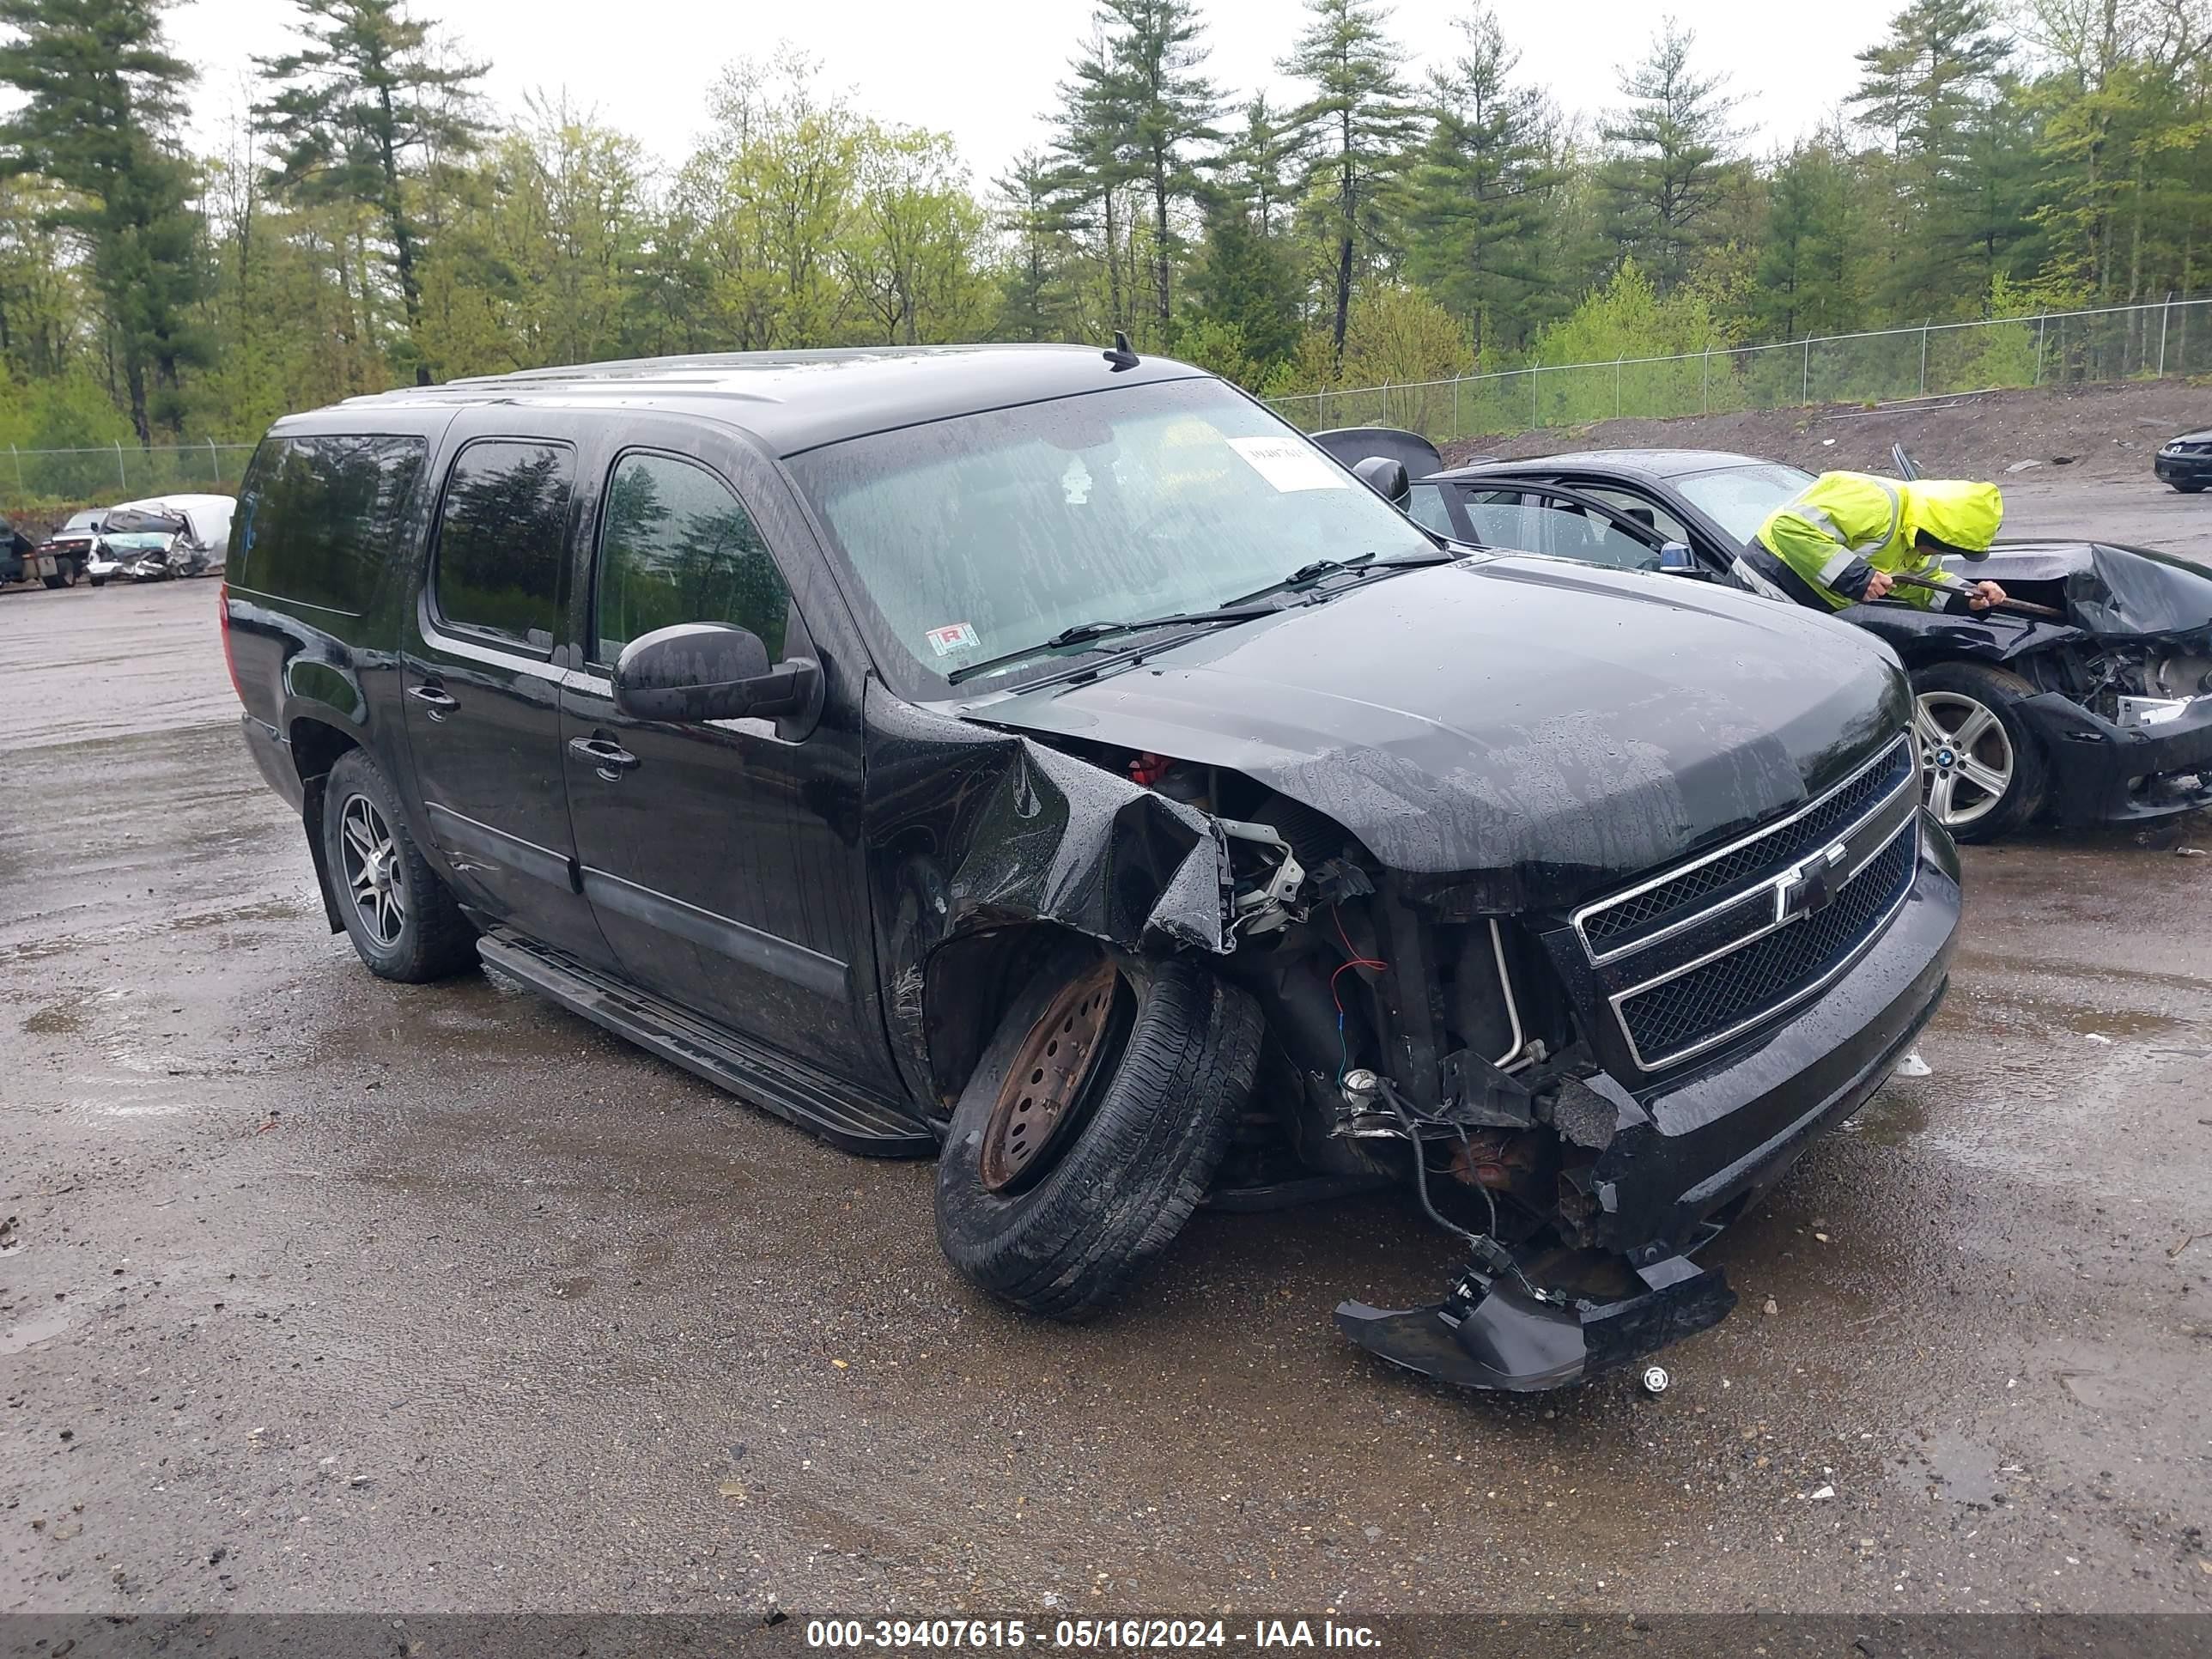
{"points": [[1032, 295], [1477, 199], [1664, 177], [103, 97], [1172, 106], [1095, 146], [1248, 281], [1807, 280], [1252, 168], [361, 109], [1358, 125], [1928, 88]]}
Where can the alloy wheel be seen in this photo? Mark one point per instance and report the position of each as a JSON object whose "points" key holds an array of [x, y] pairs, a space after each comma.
{"points": [[1966, 760], [372, 879]]}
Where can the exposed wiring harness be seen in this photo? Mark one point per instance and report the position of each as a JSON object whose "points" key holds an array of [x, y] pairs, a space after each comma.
{"points": [[1352, 960], [1485, 1248]]}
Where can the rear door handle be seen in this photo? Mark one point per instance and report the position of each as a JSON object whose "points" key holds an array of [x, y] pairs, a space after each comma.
{"points": [[607, 756], [441, 704]]}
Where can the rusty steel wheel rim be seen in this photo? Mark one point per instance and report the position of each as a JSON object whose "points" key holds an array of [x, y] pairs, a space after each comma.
{"points": [[1038, 1102]]}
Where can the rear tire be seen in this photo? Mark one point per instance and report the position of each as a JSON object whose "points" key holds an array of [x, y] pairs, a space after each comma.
{"points": [[403, 920], [1144, 1129], [97, 581], [1983, 772]]}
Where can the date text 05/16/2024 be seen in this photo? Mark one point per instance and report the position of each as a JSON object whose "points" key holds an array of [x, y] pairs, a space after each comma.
{"points": [[1087, 1634]]}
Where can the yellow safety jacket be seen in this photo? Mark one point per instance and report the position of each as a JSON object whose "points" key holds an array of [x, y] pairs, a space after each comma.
{"points": [[1844, 526]]}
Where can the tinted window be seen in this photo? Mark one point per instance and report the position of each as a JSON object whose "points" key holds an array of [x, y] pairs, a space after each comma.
{"points": [[1427, 509], [501, 533], [677, 547], [1536, 523], [1640, 507], [318, 517]]}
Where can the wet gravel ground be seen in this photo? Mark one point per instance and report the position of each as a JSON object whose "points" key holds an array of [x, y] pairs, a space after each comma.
{"points": [[319, 1293]]}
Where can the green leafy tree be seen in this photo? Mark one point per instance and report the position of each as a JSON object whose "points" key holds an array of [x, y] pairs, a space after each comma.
{"points": [[1812, 265], [101, 101], [1663, 178], [364, 111]]}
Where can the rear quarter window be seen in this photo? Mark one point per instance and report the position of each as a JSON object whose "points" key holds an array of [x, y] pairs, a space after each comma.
{"points": [[319, 517]]}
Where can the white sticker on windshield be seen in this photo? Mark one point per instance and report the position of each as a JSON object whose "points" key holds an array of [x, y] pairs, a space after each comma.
{"points": [[951, 638], [1289, 465]]}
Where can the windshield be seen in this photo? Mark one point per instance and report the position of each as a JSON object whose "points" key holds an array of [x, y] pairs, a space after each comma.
{"points": [[985, 534], [1739, 498], [80, 521]]}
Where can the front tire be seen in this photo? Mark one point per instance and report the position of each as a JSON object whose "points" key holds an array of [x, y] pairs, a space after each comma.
{"points": [[402, 918], [1068, 1169], [2180, 487], [1983, 772]]}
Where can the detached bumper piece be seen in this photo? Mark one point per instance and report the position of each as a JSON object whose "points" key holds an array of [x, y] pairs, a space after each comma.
{"points": [[1491, 1334], [2101, 773]]}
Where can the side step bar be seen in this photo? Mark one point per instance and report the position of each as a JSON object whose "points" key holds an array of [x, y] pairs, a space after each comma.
{"points": [[843, 1116]]}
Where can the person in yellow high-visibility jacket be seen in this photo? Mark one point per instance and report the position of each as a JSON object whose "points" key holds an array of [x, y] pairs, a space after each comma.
{"points": [[1844, 537]]}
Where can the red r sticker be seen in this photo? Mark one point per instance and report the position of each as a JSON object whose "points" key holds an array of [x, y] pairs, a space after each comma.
{"points": [[952, 637]]}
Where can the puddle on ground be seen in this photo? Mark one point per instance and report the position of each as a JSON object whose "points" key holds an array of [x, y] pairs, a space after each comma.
{"points": [[1891, 1118], [63, 1019], [31, 1332], [1956, 1471], [41, 950]]}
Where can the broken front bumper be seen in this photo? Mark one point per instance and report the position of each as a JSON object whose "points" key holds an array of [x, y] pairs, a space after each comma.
{"points": [[2101, 773], [1689, 1156]]}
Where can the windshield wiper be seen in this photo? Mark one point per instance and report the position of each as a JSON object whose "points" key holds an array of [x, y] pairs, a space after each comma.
{"points": [[1085, 633]]}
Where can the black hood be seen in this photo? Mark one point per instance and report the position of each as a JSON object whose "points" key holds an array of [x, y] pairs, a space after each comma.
{"points": [[2204, 437], [1546, 727], [2113, 593]]}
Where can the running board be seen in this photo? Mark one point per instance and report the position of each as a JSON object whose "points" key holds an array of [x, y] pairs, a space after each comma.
{"points": [[843, 1116]]}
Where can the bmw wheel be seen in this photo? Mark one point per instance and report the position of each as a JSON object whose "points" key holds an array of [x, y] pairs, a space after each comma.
{"points": [[1981, 770]]}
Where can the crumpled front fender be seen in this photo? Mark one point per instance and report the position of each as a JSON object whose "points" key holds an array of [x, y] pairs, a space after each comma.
{"points": [[968, 830]]}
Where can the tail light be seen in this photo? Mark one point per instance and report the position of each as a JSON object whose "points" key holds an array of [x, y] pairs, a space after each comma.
{"points": [[229, 657]]}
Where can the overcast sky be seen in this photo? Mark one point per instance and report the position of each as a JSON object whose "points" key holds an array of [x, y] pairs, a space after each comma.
{"points": [[984, 71]]}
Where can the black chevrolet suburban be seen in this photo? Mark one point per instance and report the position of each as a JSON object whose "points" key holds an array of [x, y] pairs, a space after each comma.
{"points": [[1047, 761]]}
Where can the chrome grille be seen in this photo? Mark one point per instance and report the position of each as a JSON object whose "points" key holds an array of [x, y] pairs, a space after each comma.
{"points": [[1699, 954], [1712, 1003], [1611, 923]]}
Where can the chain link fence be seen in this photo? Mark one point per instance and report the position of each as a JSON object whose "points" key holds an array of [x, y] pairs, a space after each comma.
{"points": [[2061, 347], [118, 472]]}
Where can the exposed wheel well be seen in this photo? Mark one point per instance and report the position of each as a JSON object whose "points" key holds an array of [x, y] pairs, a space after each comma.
{"points": [[316, 747], [968, 983]]}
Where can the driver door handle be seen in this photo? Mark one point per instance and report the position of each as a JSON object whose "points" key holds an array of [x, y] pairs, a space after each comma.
{"points": [[441, 704], [609, 758]]}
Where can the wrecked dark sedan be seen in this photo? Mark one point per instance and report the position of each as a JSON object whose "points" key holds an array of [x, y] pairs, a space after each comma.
{"points": [[2088, 702], [1047, 761]]}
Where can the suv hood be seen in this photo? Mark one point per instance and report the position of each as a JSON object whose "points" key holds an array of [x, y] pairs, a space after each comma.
{"points": [[1543, 728]]}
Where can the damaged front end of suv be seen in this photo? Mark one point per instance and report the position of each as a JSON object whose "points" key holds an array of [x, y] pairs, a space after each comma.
{"points": [[1580, 946]]}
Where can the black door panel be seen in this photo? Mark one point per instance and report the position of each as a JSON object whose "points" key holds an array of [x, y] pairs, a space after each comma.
{"points": [[722, 858], [484, 706]]}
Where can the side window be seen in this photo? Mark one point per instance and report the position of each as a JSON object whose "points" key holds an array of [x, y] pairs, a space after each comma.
{"points": [[502, 534], [317, 518], [1539, 523], [676, 546], [1427, 508], [1640, 507]]}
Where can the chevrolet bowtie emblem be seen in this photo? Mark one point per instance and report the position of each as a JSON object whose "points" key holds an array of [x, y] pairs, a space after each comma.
{"points": [[1811, 887]]}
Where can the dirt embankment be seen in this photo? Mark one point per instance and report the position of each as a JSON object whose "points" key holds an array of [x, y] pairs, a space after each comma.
{"points": [[2099, 431]]}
